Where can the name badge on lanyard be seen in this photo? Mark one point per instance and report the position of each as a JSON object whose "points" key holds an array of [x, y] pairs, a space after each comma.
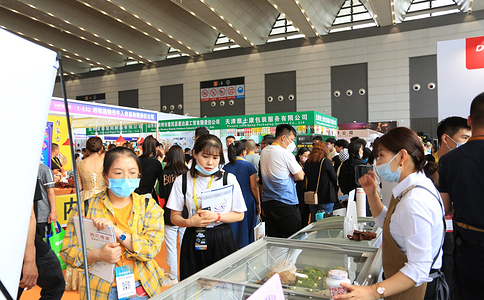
{"points": [[125, 282], [200, 232]]}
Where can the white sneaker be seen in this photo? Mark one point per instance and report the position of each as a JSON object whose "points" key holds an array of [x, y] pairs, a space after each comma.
{"points": [[167, 281]]}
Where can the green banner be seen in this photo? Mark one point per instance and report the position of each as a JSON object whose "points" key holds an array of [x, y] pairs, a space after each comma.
{"points": [[136, 128], [189, 124], [251, 121]]}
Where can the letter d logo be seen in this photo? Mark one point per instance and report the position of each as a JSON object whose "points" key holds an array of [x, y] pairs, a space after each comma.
{"points": [[475, 53]]}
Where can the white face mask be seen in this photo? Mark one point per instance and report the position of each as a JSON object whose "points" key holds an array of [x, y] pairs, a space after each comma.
{"points": [[290, 147]]}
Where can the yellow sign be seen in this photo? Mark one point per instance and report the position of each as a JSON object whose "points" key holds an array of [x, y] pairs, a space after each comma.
{"points": [[64, 205], [59, 136]]}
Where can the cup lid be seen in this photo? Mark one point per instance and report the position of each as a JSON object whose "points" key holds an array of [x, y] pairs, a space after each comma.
{"points": [[338, 274]]}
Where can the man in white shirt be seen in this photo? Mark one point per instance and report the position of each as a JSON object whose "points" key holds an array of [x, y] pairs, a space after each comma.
{"points": [[279, 169]]}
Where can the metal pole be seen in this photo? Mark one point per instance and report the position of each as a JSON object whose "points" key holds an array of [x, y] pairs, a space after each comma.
{"points": [[76, 179]]}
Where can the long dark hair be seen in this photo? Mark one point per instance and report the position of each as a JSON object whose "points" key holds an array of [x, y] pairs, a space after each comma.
{"points": [[112, 155], [403, 138], [149, 147], [175, 160], [210, 144], [235, 149]]}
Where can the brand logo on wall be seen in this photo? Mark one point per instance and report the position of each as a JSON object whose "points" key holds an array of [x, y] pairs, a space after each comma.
{"points": [[475, 53]]}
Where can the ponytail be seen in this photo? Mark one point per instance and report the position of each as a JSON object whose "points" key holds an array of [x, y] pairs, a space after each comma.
{"points": [[235, 149], [431, 170]]}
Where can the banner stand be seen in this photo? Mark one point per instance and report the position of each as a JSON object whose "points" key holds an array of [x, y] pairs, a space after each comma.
{"points": [[76, 179]]}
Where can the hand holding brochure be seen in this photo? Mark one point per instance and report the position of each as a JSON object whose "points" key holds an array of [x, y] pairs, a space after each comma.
{"points": [[95, 239], [218, 200]]}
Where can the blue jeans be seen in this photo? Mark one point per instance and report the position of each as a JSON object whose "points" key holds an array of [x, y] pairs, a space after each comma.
{"points": [[327, 207], [114, 293]]}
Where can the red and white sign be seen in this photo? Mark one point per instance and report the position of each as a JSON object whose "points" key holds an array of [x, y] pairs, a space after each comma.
{"points": [[475, 53], [231, 92], [222, 93], [204, 95], [213, 93]]}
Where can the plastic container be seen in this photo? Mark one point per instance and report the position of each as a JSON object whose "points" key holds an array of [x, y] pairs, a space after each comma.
{"points": [[320, 215], [334, 279]]}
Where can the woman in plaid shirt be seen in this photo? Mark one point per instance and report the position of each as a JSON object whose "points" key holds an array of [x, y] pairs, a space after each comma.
{"points": [[138, 226]]}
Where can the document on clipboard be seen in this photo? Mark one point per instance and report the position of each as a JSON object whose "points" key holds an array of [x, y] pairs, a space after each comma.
{"points": [[95, 239], [218, 200]]}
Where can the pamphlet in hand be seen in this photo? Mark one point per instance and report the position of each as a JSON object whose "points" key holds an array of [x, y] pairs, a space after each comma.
{"points": [[95, 239], [218, 200]]}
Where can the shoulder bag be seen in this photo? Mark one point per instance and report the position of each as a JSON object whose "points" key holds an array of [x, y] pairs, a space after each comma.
{"points": [[311, 197]]}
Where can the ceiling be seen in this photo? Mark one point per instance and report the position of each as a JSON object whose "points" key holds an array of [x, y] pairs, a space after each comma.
{"points": [[110, 34]]}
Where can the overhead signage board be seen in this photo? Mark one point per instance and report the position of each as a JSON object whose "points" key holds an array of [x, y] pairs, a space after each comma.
{"points": [[222, 89]]}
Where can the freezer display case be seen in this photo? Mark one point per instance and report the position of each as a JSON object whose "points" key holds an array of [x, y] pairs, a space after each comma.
{"points": [[213, 289], [302, 266], [331, 231]]}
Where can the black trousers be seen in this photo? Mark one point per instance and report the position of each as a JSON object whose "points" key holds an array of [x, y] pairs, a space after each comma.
{"points": [[282, 220], [468, 267], [220, 243], [50, 279], [303, 209]]}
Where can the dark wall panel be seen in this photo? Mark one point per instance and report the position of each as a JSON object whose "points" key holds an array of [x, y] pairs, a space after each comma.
{"points": [[423, 94], [349, 93], [280, 91], [428, 125], [129, 98], [423, 86], [171, 99], [217, 104]]}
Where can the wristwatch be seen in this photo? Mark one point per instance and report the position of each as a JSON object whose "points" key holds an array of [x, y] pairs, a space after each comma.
{"points": [[380, 290], [122, 237]]}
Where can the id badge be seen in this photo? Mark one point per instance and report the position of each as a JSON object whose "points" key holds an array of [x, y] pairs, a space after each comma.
{"points": [[200, 239], [125, 282]]}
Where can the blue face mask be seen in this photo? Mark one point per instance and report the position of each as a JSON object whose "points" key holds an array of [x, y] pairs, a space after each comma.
{"points": [[386, 173], [123, 187], [365, 160], [205, 172], [457, 145]]}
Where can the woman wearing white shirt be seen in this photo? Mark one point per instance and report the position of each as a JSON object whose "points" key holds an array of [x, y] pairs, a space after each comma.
{"points": [[412, 224], [210, 226]]}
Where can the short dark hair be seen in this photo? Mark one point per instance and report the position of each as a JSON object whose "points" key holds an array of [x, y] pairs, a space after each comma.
{"points": [[342, 143], [199, 131], [230, 137], [477, 111], [112, 155], [354, 148], [268, 138], [317, 138], [450, 126], [331, 140], [55, 146], [187, 149], [285, 129]]}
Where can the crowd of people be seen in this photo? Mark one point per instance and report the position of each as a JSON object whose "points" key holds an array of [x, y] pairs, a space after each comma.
{"points": [[157, 196]]}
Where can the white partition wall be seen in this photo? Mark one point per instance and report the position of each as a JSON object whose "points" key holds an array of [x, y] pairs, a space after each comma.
{"points": [[460, 65], [26, 83]]}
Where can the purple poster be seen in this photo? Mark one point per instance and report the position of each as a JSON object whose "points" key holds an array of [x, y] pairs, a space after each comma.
{"points": [[45, 156]]}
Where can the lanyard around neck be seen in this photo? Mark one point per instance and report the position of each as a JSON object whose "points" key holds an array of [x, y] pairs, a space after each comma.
{"points": [[55, 161], [240, 158], [195, 199]]}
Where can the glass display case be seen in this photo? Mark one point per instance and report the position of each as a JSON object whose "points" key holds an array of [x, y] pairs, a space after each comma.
{"points": [[302, 266], [330, 231]]}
